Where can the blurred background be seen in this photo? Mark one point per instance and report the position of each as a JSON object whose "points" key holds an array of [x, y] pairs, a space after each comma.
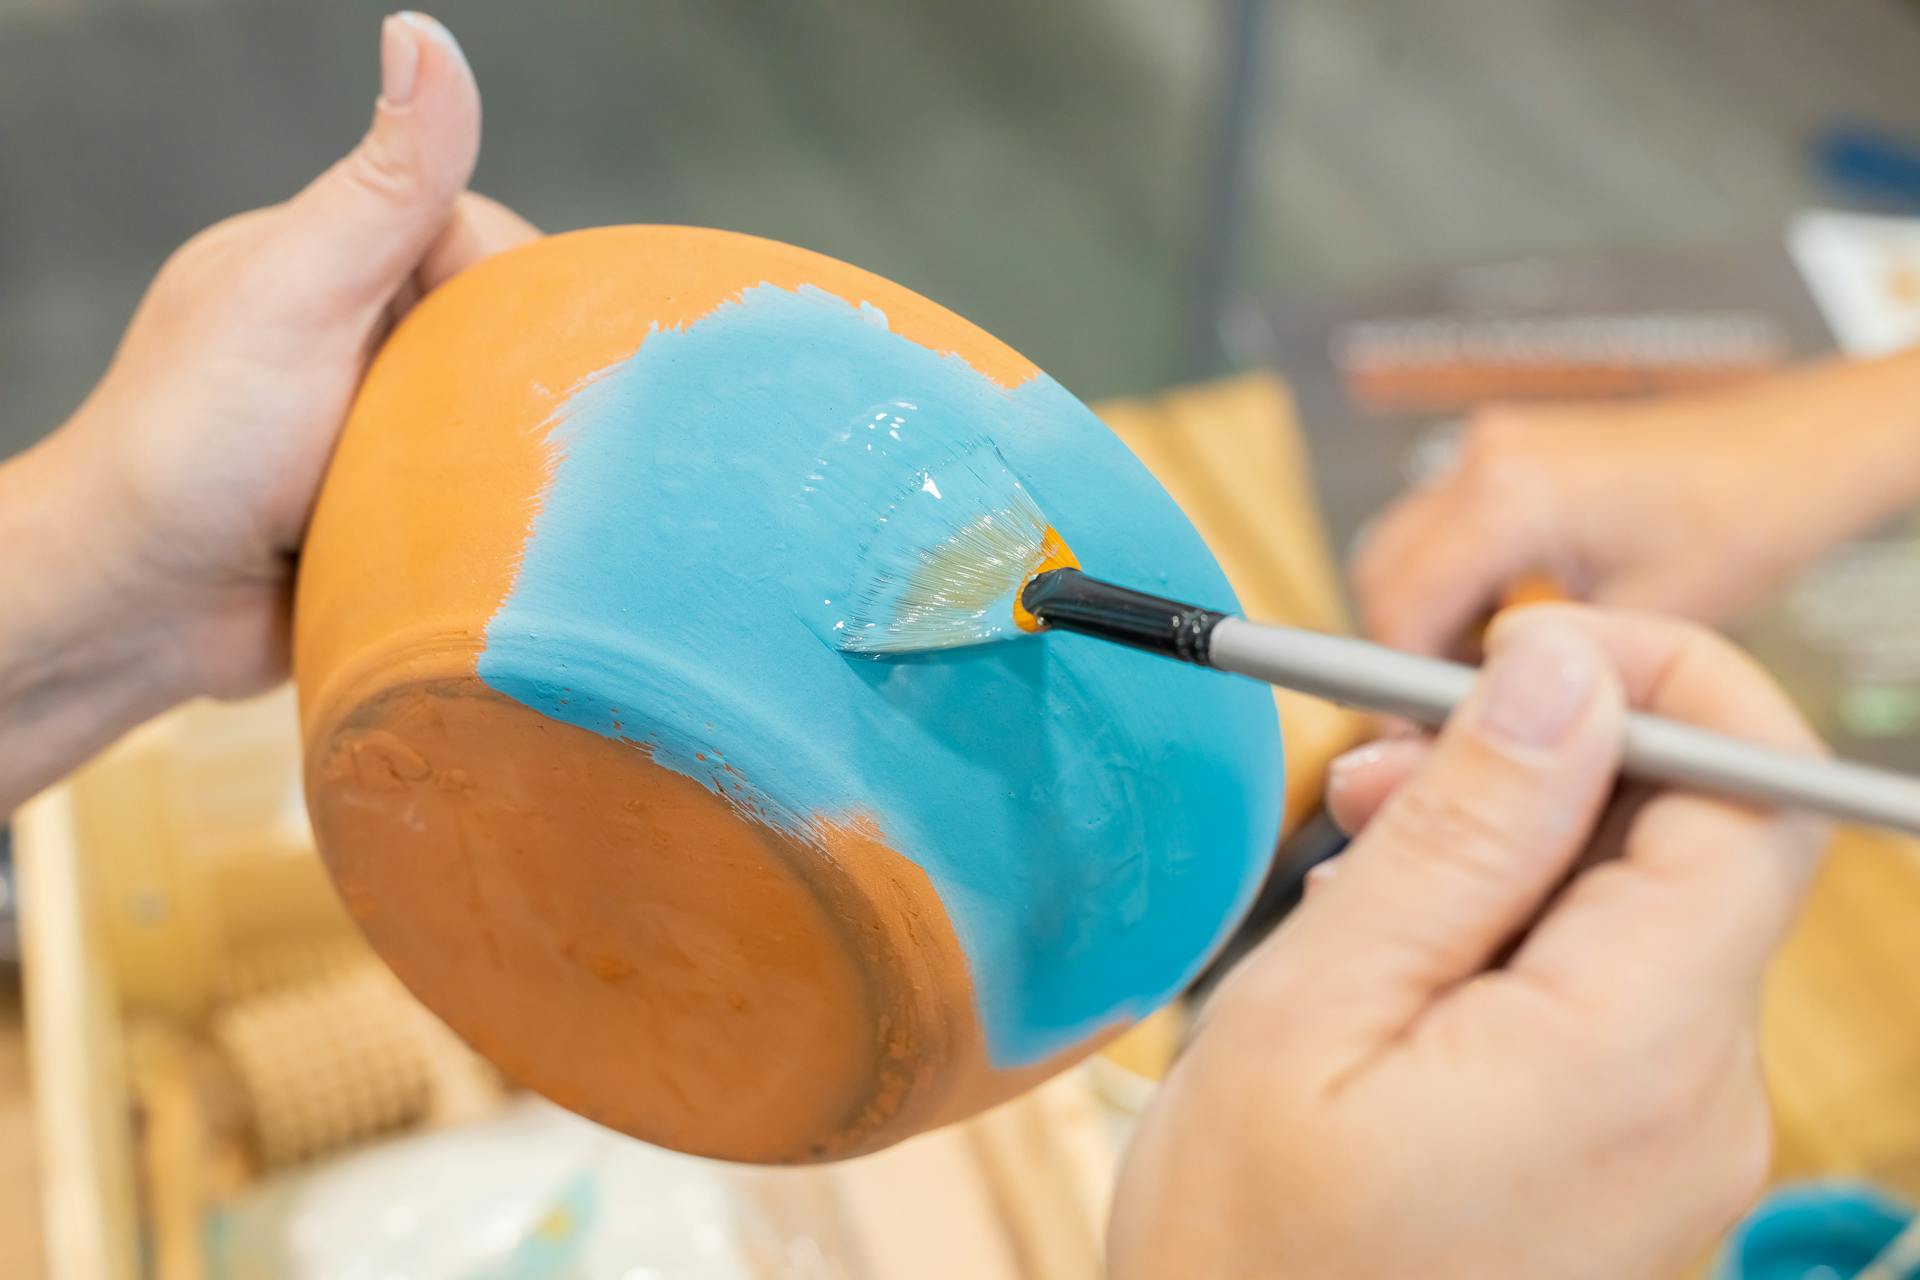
{"points": [[1133, 193], [1084, 178]]}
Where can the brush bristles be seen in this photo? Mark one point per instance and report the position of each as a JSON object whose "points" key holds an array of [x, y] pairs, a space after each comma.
{"points": [[947, 561]]}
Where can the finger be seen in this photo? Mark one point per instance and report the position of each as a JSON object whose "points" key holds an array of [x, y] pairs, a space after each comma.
{"points": [[363, 226], [1680, 671], [1376, 568], [1677, 590], [478, 229], [1705, 888], [1437, 563], [1360, 781], [1467, 848]]}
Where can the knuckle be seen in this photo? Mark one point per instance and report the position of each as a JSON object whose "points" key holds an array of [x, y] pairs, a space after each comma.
{"points": [[1496, 457], [1498, 472], [380, 172], [1711, 656], [1491, 430], [204, 251], [217, 262], [1363, 566], [1372, 576], [1702, 650], [1711, 680], [1376, 604], [1460, 829]]}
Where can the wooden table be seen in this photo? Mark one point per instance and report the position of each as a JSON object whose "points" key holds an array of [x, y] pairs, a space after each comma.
{"points": [[1841, 1030]]}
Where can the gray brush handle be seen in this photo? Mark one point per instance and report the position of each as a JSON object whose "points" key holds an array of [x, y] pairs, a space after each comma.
{"points": [[1426, 690]]}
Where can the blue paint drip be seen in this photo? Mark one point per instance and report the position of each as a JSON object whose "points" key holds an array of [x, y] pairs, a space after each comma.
{"points": [[1093, 818]]}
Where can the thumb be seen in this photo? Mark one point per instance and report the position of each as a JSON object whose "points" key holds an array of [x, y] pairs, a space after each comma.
{"points": [[1468, 849], [365, 223]]}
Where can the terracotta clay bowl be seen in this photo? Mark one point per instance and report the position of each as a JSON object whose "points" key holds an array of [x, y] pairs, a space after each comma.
{"points": [[591, 780]]}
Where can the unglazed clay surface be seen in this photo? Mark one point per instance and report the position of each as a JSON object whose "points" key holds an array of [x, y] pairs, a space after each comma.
{"points": [[590, 778]]}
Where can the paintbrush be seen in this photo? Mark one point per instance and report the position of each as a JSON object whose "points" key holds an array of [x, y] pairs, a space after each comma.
{"points": [[964, 555]]}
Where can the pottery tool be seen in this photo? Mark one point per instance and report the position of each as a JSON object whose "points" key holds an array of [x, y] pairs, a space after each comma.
{"points": [[326, 1064], [965, 555]]}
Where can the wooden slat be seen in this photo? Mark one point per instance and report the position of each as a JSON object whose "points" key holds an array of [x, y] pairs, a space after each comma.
{"points": [[81, 1101], [20, 1182], [1028, 1154], [924, 1209], [175, 1152]]}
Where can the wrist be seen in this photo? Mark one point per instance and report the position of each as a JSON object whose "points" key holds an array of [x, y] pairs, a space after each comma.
{"points": [[1818, 456], [87, 649], [1872, 430]]}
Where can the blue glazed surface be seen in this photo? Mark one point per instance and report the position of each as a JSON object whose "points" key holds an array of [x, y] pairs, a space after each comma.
{"points": [[1093, 818], [1830, 1229]]}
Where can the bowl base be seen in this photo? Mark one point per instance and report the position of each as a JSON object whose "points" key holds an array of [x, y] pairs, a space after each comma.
{"points": [[632, 945]]}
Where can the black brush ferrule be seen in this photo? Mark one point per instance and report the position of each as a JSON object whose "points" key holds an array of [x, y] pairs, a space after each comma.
{"points": [[1071, 601]]}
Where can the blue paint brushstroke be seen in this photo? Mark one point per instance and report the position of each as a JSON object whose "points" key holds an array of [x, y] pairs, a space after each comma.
{"points": [[1093, 818]]}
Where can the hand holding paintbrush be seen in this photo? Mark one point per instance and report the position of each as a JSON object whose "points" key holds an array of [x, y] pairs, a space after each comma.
{"points": [[980, 562]]}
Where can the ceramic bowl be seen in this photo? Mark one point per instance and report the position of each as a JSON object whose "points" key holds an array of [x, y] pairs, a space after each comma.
{"points": [[593, 780]]}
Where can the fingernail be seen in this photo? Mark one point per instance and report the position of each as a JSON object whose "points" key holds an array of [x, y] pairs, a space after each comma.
{"points": [[435, 30], [1340, 772], [1537, 684], [399, 61]]}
